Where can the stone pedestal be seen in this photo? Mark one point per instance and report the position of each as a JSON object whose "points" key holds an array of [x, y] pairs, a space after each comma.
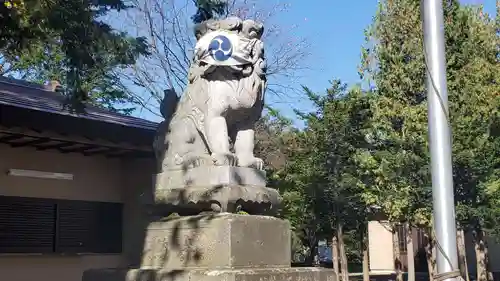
{"points": [[215, 247], [248, 274], [226, 188], [211, 201]]}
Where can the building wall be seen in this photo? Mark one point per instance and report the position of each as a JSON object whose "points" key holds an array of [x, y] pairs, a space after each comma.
{"points": [[138, 187], [493, 251], [380, 247], [494, 254], [95, 179]]}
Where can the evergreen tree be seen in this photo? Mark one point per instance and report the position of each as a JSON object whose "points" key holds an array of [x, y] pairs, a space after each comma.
{"points": [[208, 9], [394, 61], [323, 199], [67, 41]]}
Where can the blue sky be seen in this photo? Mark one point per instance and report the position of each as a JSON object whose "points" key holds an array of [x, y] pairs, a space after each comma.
{"points": [[335, 31]]}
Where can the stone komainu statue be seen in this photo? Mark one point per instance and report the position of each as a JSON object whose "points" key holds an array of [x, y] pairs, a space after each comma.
{"points": [[222, 102], [212, 122]]}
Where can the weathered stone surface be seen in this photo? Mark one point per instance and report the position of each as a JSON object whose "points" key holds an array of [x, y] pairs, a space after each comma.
{"points": [[223, 99], [210, 176], [256, 200], [220, 247], [214, 188], [207, 138], [199, 172], [217, 242], [156, 274]]}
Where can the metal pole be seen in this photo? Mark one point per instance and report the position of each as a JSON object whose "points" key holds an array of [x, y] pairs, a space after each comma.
{"points": [[440, 138]]}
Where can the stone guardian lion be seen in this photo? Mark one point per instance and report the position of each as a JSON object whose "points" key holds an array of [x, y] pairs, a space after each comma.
{"points": [[222, 102]]}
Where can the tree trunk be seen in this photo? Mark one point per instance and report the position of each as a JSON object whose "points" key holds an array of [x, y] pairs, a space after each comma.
{"points": [[343, 256], [487, 255], [481, 249], [335, 256], [430, 254], [396, 253], [410, 251], [310, 259], [462, 255], [312, 243]]}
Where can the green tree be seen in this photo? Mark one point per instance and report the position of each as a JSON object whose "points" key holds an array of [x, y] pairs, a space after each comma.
{"points": [[209, 9], [274, 135], [323, 177], [393, 60], [68, 41], [473, 63], [396, 168]]}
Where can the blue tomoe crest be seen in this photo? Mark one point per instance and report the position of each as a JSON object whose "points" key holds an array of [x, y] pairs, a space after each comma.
{"points": [[220, 48]]}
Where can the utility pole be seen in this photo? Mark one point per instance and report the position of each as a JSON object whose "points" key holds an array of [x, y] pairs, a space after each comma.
{"points": [[440, 140]]}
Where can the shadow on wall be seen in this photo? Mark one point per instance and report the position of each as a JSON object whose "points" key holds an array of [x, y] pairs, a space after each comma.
{"points": [[181, 248], [170, 238]]}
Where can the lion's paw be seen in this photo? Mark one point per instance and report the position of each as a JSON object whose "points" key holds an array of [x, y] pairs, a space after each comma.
{"points": [[223, 159], [251, 162], [258, 163]]}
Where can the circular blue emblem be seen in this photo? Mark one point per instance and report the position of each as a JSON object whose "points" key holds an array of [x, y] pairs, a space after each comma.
{"points": [[220, 48]]}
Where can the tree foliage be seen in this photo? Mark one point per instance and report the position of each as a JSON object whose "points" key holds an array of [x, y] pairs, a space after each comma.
{"points": [[209, 9], [319, 181], [368, 150], [395, 64], [398, 163], [68, 41], [359, 150]]}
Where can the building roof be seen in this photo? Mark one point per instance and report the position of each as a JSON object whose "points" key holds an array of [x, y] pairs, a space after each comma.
{"points": [[38, 97], [36, 109]]}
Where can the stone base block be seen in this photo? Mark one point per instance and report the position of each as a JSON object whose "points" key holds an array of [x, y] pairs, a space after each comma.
{"points": [[190, 200], [272, 274], [218, 241]]}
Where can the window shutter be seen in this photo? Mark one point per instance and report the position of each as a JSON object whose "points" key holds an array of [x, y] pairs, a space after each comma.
{"points": [[74, 227], [89, 227], [109, 228], [27, 225]]}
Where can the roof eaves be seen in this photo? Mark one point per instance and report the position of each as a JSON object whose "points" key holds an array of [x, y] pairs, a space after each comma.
{"points": [[42, 99]]}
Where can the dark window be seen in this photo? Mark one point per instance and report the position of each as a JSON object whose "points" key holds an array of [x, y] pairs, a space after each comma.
{"points": [[35, 225], [89, 227], [421, 238], [27, 225], [402, 236]]}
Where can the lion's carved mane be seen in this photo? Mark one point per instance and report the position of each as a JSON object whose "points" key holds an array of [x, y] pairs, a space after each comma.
{"points": [[182, 140]]}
